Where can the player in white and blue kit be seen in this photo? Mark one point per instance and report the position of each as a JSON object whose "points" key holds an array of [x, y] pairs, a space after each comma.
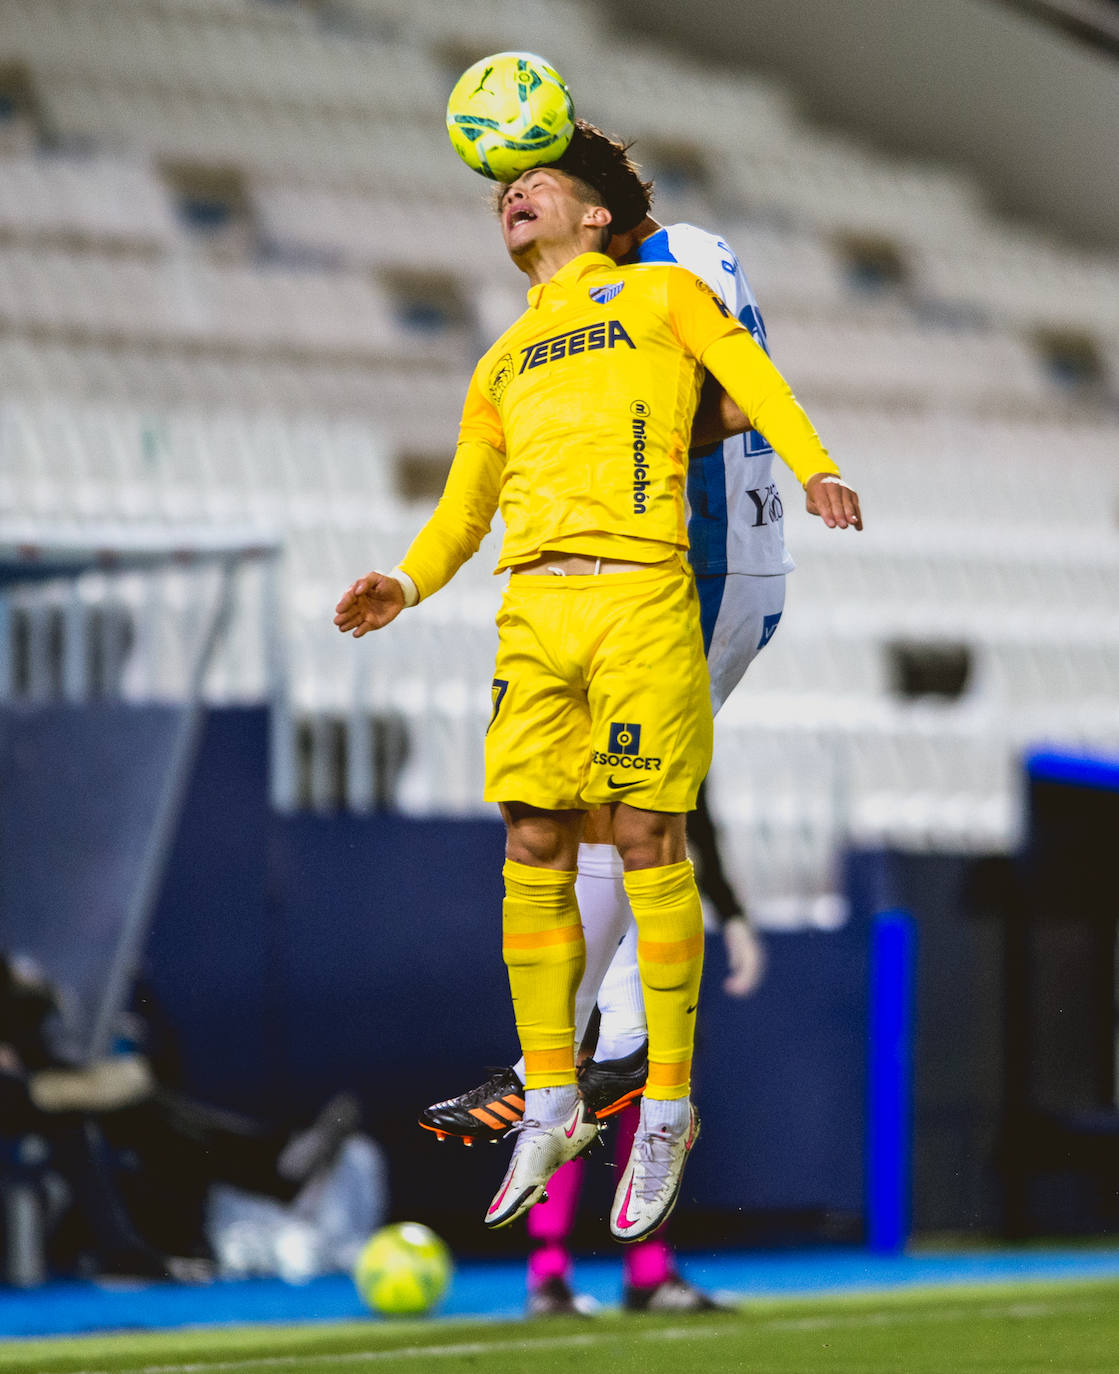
{"points": [[735, 527], [738, 554], [737, 551]]}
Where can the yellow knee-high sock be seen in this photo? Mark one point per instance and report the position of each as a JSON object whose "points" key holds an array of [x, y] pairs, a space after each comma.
{"points": [[542, 941], [669, 919]]}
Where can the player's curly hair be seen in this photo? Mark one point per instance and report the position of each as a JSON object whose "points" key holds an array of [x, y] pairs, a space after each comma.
{"points": [[603, 164]]}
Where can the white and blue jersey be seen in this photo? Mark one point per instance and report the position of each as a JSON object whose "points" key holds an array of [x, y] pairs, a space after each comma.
{"points": [[735, 520], [735, 517]]}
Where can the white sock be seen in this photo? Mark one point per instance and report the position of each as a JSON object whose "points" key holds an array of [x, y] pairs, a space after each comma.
{"points": [[605, 912], [670, 1117], [550, 1105], [622, 1004]]}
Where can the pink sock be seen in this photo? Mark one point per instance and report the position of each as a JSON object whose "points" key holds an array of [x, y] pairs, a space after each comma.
{"points": [[550, 1261], [553, 1220], [551, 1223], [649, 1262]]}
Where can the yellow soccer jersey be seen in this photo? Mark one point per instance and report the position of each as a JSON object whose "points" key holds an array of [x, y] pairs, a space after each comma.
{"points": [[577, 421]]}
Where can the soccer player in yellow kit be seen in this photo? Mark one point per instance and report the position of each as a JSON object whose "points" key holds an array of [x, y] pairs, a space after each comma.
{"points": [[576, 426]]}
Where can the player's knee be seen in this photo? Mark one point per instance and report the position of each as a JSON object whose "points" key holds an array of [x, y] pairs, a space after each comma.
{"points": [[541, 839], [649, 839], [539, 849]]}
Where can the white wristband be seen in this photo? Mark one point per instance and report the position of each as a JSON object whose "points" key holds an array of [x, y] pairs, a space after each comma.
{"points": [[407, 586], [833, 481]]}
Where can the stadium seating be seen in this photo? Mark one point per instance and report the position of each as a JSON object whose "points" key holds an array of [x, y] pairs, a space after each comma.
{"points": [[291, 360]]}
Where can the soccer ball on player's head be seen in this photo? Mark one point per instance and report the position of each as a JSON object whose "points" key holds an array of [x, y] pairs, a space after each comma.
{"points": [[510, 112], [403, 1270]]}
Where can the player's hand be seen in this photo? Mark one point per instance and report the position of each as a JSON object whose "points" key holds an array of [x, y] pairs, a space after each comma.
{"points": [[370, 604], [833, 501], [745, 958]]}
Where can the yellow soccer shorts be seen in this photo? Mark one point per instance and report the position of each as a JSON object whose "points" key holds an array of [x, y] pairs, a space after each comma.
{"points": [[601, 692]]}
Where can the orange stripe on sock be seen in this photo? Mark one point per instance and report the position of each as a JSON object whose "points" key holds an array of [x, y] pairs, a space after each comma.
{"points": [[550, 1062], [670, 951], [669, 1080], [541, 939]]}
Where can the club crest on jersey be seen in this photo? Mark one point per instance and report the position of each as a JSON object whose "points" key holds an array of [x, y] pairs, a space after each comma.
{"points": [[602, 295], [500, 377]]}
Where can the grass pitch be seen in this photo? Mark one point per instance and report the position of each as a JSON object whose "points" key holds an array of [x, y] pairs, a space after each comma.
{"points": [[1066, 1328]]}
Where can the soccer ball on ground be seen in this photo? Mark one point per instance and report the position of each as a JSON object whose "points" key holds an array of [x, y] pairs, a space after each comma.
{"points": [[510, 112], [403, 1270]]}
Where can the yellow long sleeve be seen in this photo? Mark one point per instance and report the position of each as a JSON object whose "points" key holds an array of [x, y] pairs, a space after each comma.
{"points": [[762, 393], [460, 521]]}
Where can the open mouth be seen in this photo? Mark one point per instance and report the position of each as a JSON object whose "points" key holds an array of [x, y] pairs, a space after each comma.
{"points": [[522, 215]]}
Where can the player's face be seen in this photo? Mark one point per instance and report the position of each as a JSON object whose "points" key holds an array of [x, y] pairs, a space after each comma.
{"points": [[541, 207]]}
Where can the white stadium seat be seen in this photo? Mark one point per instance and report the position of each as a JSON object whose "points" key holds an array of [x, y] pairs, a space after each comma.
{"points": [[284, 382]]}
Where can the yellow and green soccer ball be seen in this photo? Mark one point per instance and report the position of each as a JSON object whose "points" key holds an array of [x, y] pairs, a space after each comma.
{"points": [[510, 112], [403, 1270]]}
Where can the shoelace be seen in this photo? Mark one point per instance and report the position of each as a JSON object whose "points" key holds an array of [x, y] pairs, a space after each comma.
{"points": [[654, 1151], [525, 1129], [526, 1123], [483, 1093], [528, 1126]]}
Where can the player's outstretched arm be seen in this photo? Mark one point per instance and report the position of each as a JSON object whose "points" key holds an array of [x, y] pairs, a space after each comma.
{"points": [[457, 526], [370, 604], [746, 372], [837, 504]]}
